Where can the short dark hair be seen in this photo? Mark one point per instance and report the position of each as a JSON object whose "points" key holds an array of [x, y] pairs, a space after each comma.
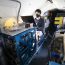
{"points": [[38, 10]]}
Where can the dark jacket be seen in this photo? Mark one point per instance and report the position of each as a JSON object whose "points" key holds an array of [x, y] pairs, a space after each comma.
{"points": [[40, 24], [52, 27]]}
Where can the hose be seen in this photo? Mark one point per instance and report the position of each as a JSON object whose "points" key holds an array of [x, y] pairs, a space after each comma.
{"points": [[19, 8]]}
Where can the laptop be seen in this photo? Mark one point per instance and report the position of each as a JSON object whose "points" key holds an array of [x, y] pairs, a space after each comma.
{"points": [[28, 19]]}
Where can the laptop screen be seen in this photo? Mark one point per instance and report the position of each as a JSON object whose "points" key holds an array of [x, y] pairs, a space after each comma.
{"points": [[28, 19]]}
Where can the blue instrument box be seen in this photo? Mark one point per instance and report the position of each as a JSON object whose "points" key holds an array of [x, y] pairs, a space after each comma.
{"points": [[19, 46]]}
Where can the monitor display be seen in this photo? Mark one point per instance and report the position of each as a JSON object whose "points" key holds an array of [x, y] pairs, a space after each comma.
{"points": [[28, 19]]}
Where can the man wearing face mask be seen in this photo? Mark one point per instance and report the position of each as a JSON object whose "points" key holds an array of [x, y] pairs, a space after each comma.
{"points": [[39, 21]]}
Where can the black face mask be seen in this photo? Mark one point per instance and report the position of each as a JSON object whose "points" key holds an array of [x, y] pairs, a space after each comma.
{"points": [[37, 15]]}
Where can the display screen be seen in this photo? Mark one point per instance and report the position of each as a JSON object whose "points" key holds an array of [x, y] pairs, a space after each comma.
{"points": [[61, 14], [28, 19]]}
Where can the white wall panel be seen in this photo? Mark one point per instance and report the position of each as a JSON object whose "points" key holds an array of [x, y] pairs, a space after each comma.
{"points": [[29, 6], [7, 11]]}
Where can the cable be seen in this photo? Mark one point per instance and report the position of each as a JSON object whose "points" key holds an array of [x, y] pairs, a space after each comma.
{"points": [[19, 8]]}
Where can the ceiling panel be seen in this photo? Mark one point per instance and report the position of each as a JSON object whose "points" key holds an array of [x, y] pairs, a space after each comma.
{"points": [[29, 6], [59, 3]]}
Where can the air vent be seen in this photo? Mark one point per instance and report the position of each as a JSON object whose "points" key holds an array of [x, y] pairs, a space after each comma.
{"points": [[50, 1]]}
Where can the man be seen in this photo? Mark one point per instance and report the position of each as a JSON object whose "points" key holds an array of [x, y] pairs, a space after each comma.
{"points": [[52, 27], [39, 21]]}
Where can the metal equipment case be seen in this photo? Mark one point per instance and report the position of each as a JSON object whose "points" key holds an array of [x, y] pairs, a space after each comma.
{"points": [[19, 46]]}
